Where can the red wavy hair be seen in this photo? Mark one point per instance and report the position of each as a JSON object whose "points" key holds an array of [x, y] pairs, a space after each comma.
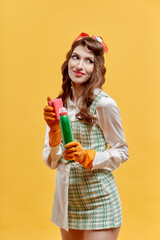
{"points": [[96, 80]]}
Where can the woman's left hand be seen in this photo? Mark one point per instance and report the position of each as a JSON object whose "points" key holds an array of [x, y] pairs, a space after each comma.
{"points": [[75, 152]]}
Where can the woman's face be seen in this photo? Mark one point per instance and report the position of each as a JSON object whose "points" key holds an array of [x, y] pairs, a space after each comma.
{"points": [[81, 65]]}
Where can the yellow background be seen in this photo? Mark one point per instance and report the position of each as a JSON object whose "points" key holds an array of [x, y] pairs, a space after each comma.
{"points": [[34, 39]]}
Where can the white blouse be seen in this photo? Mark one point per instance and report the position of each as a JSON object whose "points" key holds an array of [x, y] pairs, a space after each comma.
{"points": [[109, 120]]}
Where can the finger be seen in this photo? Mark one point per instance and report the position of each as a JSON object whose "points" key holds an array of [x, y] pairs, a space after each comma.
{"points": [[71, 144], [70, 150], [71, 159], [48, 109], [48, 99], [50, 114], [49, 118], [68, 157]]}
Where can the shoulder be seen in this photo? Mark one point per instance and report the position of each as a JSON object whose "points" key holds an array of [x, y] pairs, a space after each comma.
{"points": [[108, 106], [106, 100]]}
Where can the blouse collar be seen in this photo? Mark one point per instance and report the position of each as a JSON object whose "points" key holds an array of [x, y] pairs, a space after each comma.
{"points": [[71, 104]]}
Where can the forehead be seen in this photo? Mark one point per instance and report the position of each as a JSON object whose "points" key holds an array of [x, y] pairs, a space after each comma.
{"points": [[83, 51]]}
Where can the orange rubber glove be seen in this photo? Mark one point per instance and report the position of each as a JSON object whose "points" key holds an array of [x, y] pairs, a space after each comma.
{"points": [[53, 123], [75, 152]]}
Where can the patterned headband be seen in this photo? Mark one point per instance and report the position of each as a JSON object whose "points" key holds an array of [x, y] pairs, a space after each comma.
{"points": [[99, 39]]}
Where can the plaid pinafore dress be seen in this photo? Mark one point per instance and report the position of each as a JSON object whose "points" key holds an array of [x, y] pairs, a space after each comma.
{"points": [[93, 199]]}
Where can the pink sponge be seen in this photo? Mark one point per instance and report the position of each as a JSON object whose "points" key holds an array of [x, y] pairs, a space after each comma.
{"points": [[56, 104]]}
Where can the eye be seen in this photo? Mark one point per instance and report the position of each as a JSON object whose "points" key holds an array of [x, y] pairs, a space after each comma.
{"points": [[74, 56], [90, 60]]}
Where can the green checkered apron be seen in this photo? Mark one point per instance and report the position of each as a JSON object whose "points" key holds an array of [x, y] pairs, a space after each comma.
{"points": [[93, 199]]}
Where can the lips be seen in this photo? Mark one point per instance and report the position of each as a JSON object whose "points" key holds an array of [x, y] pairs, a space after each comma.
{"points": [[77, 73]]}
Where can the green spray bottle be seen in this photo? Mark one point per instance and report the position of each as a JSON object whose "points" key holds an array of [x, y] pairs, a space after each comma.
{"points": [[65, 126]]}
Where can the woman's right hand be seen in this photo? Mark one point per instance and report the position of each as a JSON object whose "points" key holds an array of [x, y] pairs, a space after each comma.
{"points": [[50, 117]]}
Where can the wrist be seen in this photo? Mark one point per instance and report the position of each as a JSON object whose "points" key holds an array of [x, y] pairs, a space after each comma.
{"points": [[54, 130], [54, 138]]}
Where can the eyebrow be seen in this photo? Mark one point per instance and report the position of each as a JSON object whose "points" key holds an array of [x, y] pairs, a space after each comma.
{"points": [[86, 57]]}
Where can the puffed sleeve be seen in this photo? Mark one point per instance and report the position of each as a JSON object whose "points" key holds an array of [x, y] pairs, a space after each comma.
{"points": [[108, 116], [51, 155]]}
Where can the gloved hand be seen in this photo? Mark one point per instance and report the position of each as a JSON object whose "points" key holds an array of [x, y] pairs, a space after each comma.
{"points": [[75, 152], [53, 123]]}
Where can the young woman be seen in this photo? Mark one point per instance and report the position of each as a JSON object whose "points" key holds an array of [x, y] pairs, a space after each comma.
{"points": [[86, 201]]}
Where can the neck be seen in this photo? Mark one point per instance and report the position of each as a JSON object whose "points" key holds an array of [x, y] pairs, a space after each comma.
{"points": [[77, 91]]}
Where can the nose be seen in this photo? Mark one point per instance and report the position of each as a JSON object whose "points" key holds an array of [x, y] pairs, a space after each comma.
{"points": [[80, 64]]}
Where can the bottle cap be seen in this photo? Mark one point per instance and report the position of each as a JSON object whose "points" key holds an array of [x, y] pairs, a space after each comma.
{"points": [[63, 111]]}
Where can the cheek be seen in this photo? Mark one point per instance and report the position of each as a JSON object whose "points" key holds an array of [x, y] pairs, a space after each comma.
{"points": [[69, 67], [71, 64], [90, 70]]}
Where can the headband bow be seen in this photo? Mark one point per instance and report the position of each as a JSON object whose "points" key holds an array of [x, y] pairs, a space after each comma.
{"points": [[99, 39]]}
